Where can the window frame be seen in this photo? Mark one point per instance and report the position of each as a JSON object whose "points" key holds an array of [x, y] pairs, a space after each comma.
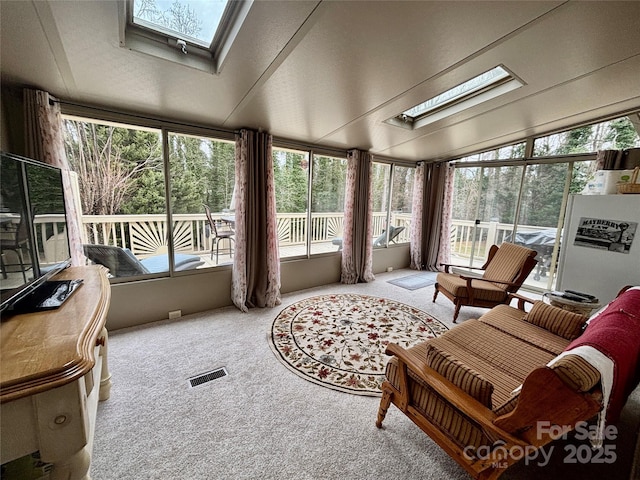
{"points": [[163, 43], [164, 128]]}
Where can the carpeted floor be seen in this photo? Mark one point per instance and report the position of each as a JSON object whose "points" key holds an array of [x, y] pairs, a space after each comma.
{"points": [[263, 422]]}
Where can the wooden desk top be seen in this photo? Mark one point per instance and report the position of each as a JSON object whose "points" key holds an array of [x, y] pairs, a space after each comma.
{"points": [[43, 350]]}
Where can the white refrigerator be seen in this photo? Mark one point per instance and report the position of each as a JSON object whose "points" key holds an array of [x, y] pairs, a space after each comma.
{"points": [[600, 250]]}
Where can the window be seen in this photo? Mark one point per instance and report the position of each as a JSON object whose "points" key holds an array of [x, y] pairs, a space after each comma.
{"points": [[202, 172], [304, 230], [479, 89], [291, 177], [503, 153], [328, 183], [130, 221], [193, 21], [196, 33], [617, 134], [392, 191]]}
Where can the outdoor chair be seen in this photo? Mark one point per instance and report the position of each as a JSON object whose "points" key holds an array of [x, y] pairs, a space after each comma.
{"points": [[505, 271], [15, 238], [121, 262], [221, 231], [378, 242], [393, 234]]}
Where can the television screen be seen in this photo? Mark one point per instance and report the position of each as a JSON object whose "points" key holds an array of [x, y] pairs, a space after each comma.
{"points": [[33, 231]]}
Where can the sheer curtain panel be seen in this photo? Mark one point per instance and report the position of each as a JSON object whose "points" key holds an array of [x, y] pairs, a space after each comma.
{"points": [[44, 142], [357, 244]]}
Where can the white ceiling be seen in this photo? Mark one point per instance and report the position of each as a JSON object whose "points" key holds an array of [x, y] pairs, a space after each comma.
{"points": [[331, 72]]}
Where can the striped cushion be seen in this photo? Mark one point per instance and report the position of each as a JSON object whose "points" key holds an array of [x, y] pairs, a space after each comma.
{"points": [[481, 290], [506, 407], [433, 407], [460, 375], [502, 359], [507, 262], [509, 320], [576, 372], [560, 322]]}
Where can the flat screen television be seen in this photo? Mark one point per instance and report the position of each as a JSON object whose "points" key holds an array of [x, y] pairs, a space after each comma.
{"points": [[33, 236]]}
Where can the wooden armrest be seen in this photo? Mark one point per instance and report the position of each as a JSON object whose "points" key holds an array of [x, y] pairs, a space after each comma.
{"points": [[455, 396], [522, 300], [447, 265], [469, 279], [546, 398]]}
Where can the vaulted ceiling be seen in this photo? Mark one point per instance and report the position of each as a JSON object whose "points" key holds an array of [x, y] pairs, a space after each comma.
{"points": [[331, 72]]}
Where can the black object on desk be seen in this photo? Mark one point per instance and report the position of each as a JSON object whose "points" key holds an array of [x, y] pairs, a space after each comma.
{"points": [[48, 296]]}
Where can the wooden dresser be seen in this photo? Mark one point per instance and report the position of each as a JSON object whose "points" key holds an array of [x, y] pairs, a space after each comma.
{"points": [[53, 371]]}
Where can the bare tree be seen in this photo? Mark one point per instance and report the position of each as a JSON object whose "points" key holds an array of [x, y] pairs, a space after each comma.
{"points": [[106, 178]]}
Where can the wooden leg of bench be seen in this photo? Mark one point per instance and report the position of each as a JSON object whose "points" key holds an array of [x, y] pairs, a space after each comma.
{"points": [[385, 401]]}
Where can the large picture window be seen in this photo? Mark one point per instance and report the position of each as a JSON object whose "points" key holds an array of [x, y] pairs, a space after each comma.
{"points": [[521, 200], [141, 200]]}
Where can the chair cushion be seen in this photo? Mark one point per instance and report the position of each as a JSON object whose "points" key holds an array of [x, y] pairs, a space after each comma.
{"points": [[500, 358], [460, 375], [509, 320], [160, 263], [482, 290], [432, 406], [576, 372], [507, 262], [560, 322]]}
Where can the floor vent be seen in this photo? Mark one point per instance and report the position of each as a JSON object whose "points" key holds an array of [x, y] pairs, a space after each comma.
{"points": [[207, 377]]}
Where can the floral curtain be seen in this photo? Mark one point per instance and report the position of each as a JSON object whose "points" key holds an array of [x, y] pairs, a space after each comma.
{"points": [[427, 216], [415, 249], [444, 252], [44, 141], [256, 264], [357, 245]]}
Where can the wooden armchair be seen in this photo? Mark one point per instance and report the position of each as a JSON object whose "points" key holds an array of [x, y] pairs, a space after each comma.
{"points": [[505, 270]]}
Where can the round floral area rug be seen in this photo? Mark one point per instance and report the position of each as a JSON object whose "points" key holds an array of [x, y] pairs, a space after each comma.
{"points": [[338, 341]]}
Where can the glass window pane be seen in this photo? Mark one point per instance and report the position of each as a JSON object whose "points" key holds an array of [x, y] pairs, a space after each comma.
{"points": [[194, 20], [498, 201], [484, 206], [617, 134], [327, 203], [202, 173], [401, 200], [381, 173], [291, 172], [503, 153], [464, 89], [122, 192], [542, 197]]}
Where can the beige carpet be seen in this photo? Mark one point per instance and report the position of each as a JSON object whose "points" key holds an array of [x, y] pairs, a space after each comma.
{"points": [[263, 422]]}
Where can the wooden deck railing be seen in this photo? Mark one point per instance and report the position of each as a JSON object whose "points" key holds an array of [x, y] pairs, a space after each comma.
{"points": [[147, 235]]}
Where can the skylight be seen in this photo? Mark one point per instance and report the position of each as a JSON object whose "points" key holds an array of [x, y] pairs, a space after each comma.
{"points": [[192, 20], [195, 33], [479, 89]]}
